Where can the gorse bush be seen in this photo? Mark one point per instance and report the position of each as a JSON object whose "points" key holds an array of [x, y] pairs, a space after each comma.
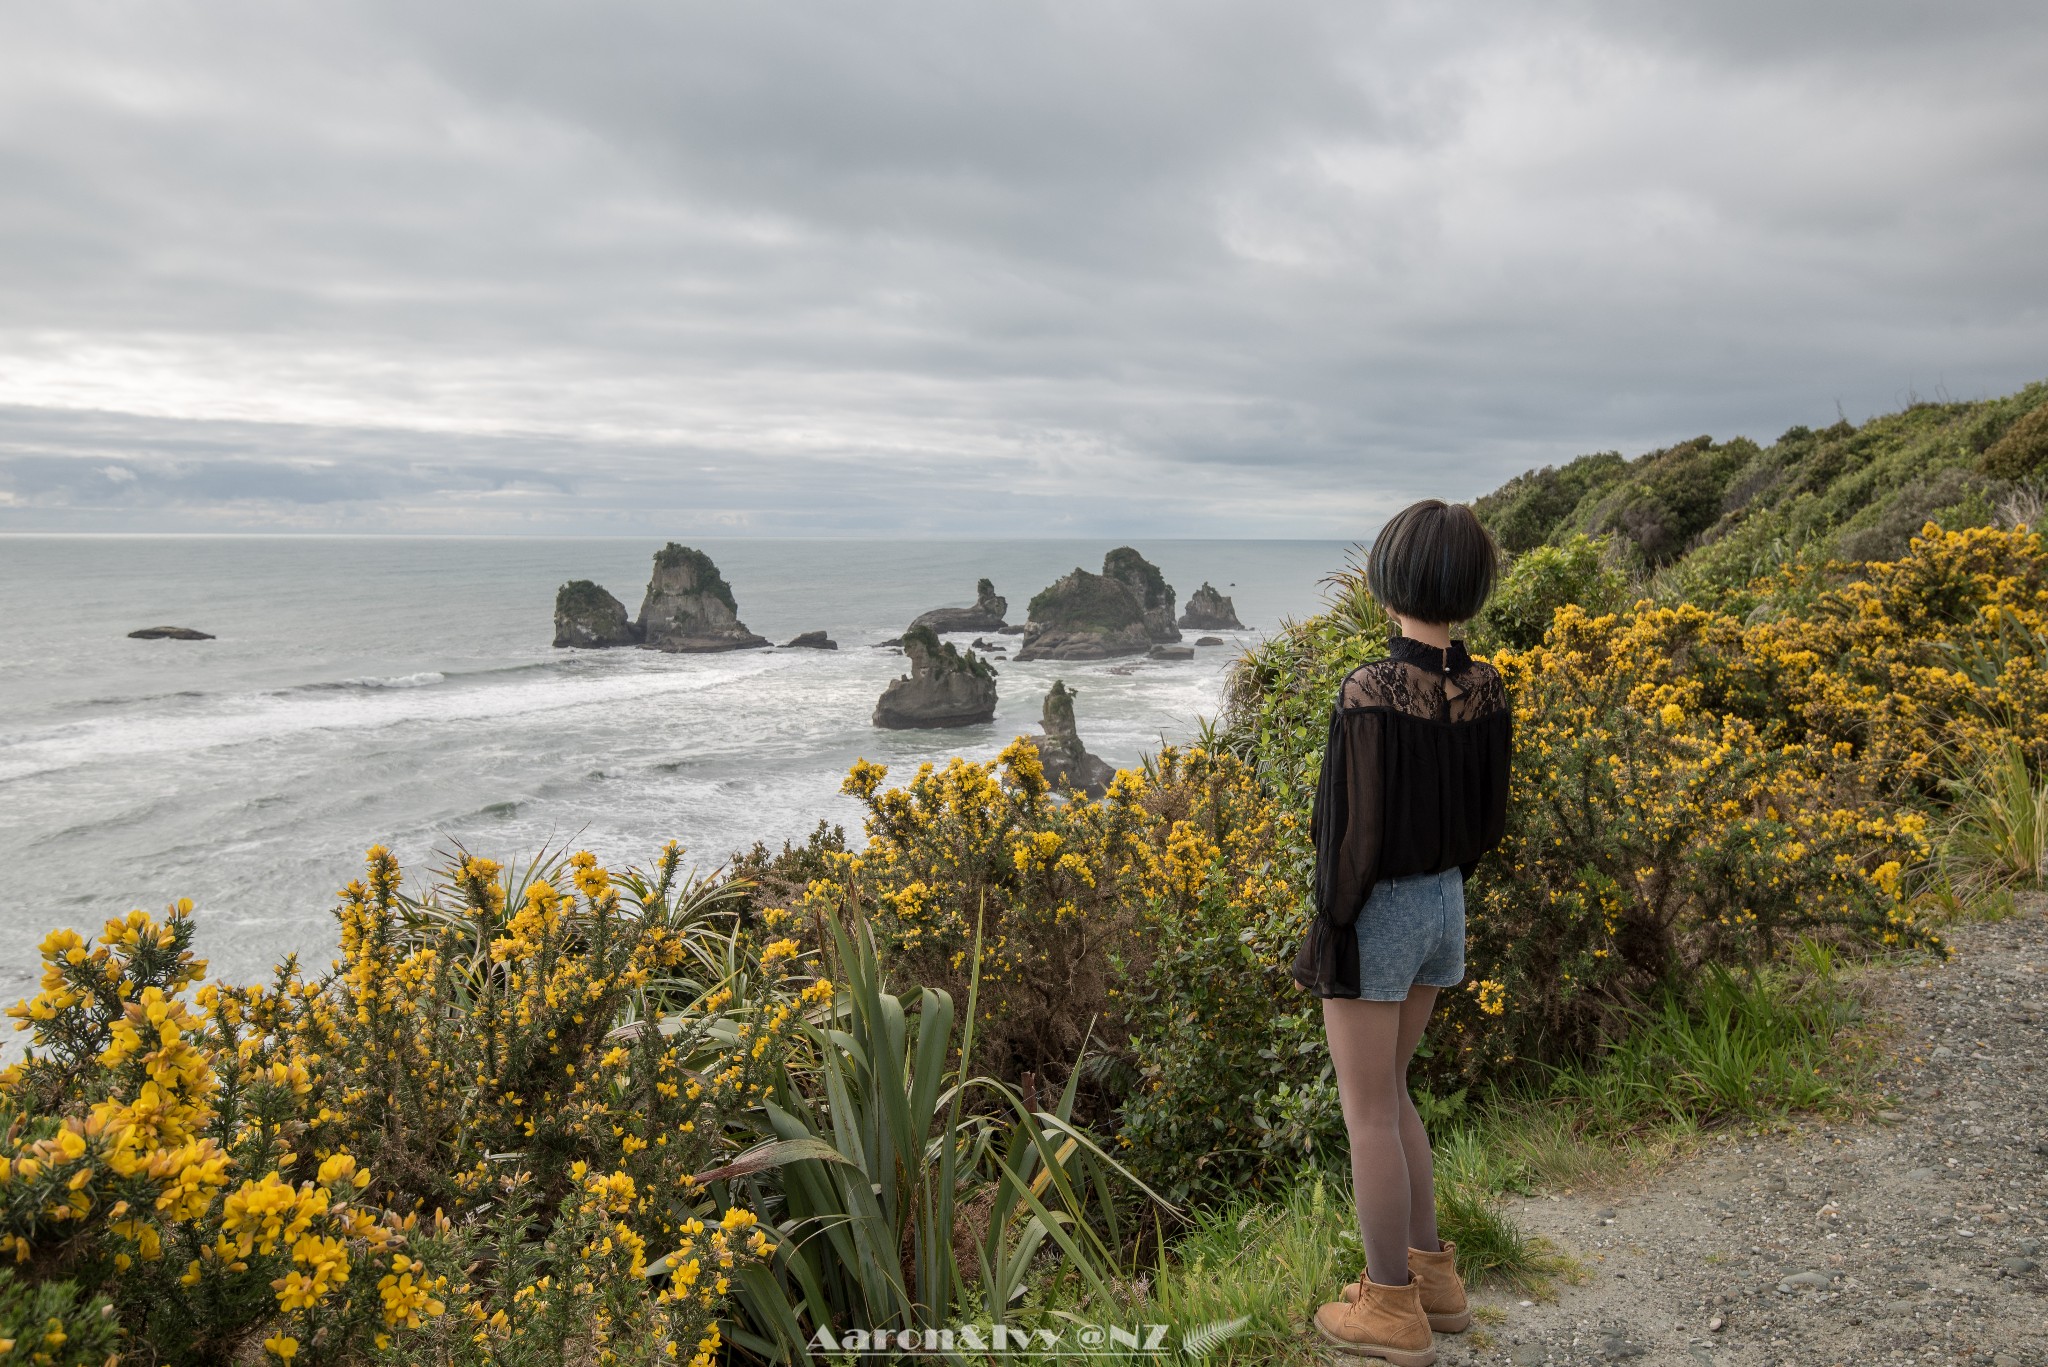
{"points": [[558, 1116], [148, 1153], [1931, 664], [1653, 834], [1155, 923], [1071, 895], [429, 1152]]}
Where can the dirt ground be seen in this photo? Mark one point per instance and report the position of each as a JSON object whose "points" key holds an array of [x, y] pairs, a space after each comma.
{"points": [[1920, 1236]]}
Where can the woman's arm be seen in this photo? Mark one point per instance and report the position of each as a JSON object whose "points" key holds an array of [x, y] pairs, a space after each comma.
{"points": [[1348, 820]]}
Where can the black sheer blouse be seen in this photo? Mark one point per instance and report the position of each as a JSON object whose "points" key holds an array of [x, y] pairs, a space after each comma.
{"points": [[1415, 780]]}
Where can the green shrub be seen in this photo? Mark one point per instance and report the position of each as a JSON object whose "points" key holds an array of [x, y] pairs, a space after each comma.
{"points": [[2022, 452], [1671, 497], [1540, 582], [1530, 509], [1233, 1087]]}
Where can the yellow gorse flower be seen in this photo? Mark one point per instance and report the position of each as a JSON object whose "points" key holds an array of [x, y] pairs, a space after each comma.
{"points": [[221, 1133]]}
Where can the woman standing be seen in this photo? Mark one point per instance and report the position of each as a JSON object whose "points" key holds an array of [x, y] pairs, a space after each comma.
{"points": [[1413, 791]]}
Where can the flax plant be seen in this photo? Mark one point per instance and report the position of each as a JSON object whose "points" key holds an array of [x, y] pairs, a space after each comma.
{"points": [[942, 1194]]}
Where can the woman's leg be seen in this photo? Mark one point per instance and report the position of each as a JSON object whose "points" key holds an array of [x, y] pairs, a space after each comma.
{"points": [[1414, 1139], [1365, 1049]]}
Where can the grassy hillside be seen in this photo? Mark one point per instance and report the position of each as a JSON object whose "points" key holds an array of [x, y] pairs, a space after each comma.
{"points": [[1702, 518]]}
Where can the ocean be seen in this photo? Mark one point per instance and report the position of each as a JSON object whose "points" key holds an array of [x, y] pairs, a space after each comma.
{"points": [[403, 691]]}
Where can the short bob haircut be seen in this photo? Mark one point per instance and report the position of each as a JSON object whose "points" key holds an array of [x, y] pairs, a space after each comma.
{"points": [[1434, 562]]}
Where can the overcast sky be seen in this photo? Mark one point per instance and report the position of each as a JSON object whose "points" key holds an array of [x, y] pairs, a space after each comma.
{"points": [[1013, 268]]}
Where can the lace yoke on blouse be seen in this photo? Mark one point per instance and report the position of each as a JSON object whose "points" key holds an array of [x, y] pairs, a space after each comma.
{"points": [[1422, 681], [1414, 780]]}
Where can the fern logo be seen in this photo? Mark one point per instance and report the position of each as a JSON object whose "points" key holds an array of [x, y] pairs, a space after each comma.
{"points": [[1205, 1339]]}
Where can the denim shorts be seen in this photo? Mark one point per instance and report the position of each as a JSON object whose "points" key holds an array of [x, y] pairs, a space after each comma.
{"points": [[1411, 932]]}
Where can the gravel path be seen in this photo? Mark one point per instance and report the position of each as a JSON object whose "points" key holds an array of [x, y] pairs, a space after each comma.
{"points": [[1918, 1237]]}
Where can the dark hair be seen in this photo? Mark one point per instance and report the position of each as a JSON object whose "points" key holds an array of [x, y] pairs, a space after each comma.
{"points": [[1433, 561]]}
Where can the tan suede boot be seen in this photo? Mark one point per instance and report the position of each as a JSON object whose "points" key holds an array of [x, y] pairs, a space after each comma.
{"points": [[1381, 1322], [1443, 1294]]}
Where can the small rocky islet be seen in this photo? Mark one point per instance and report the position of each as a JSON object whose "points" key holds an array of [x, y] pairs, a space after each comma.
{"points": [[688, 608], [1067, 763], [1209, 610], [944, 687], [985, 615], [1125, 610], [170, 634]]}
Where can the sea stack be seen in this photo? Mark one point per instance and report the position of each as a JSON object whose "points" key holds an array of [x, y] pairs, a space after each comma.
{"points": [[985, 615], [689, 607], [1209, 610], [943, 688], [1083, 616], [587, 617], [1124, 610], [1068, 765], [1148, 586]]}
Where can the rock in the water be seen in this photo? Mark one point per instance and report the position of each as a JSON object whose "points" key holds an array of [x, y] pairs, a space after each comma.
{"points": [[1068, 765], [1209, 610], [811, 640], [1010, 631], [586, 616], [690, 607], [169, 634], [1084, 616], [1209, 640], [1173, 652], [1148, 586], [985, 615], [943, 688]]}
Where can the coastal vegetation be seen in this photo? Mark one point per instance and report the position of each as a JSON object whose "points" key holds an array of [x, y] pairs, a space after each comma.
{"points": [[1024, 1056]]}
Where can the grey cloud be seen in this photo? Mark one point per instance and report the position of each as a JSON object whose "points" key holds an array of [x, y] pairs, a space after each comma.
{"points": [[1131, 268]]}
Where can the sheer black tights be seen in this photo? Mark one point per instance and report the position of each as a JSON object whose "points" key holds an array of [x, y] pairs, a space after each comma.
{"points": [[1391, 1179]]}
